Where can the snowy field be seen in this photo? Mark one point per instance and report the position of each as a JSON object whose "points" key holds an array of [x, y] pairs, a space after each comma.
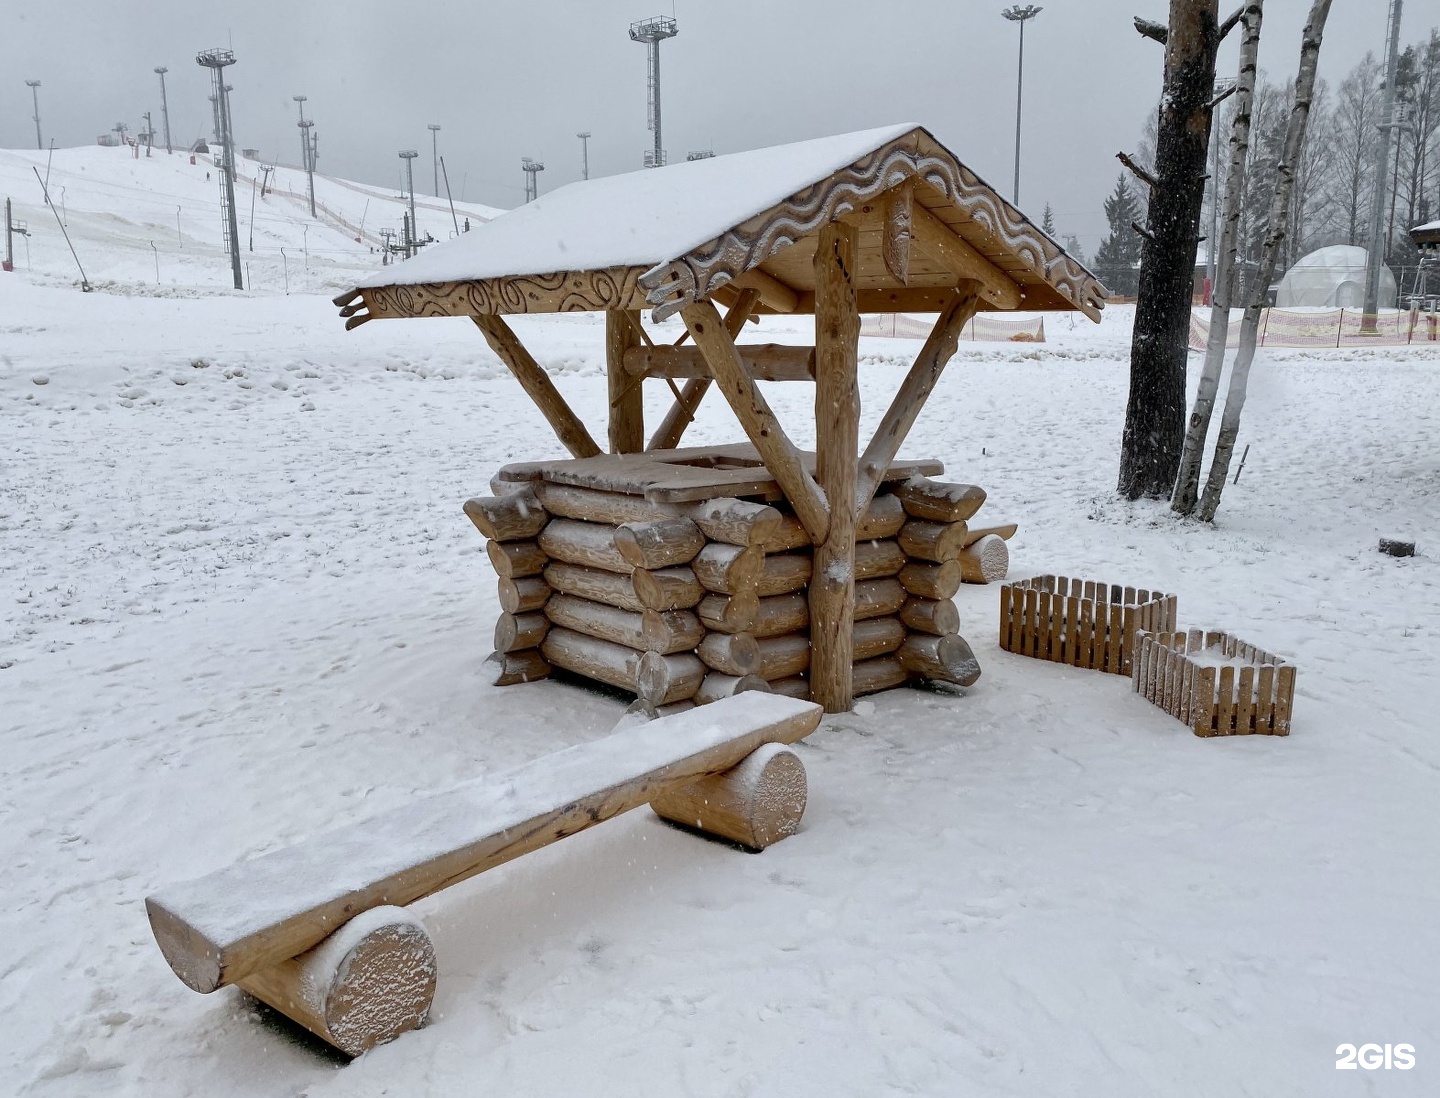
{"points": [[242, 606]]}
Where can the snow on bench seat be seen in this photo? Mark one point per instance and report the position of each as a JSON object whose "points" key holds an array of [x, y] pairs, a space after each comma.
{"points": [[220, 928]]}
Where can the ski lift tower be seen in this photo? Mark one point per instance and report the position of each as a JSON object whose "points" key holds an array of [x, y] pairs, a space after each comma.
{"points": [[532, 184], [652, 32], [216, 60]]}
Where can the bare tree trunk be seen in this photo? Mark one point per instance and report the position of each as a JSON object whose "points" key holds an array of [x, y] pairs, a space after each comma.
{"points": [[1275, 237], [1155, 412], [1187, 484]]}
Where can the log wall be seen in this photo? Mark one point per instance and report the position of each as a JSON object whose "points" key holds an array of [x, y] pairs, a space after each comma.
{"points": [[686, 603]]}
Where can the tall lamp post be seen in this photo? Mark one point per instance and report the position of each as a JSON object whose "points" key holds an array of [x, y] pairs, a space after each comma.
{"points": [[584, 136], [1016, 14], [161, 70], [435, 155], [34, 86], [409, 155]]}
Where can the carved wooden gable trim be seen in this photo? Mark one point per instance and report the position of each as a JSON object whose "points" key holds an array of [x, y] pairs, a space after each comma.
{"points": [[670, 286]]}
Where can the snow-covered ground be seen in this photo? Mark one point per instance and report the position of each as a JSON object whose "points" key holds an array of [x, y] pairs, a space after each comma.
{"points": [[242, 606]]}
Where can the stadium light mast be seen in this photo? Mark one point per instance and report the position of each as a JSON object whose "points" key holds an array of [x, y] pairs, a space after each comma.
{"points": [[307, 156], [161, 70], [409, 155], [1016, 14], [1378, 246], [216, 60], [34, 86], [584, 136], [532, 184], [434, 129], [652, 32]]}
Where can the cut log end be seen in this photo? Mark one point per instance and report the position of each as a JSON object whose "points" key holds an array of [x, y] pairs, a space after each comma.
{"points": [[369, 982], [941, 659], [755, 804], [512, 668], [985, 561]]}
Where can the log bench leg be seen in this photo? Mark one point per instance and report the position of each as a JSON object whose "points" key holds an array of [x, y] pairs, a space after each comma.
{"points": [[369, 982], [755, 804]]}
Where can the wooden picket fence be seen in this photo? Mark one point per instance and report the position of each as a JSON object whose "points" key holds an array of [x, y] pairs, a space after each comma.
{"points": [[1083, 623], [1168, 671]]}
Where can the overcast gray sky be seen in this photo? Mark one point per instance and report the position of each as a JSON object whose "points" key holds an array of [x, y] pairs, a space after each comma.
{"points": [[520, 79]]}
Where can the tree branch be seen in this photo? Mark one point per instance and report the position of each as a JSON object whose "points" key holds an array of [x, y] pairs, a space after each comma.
{"points": [[1226, 94], [1231, 23], [1140, 173], [1150, 29], [1143, 231]]}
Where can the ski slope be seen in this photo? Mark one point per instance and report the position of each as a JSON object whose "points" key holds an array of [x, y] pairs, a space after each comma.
{"points": [[147, 224]]}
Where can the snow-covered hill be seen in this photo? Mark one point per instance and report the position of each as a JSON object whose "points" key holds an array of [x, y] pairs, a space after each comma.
{"points": [[153, 224]]}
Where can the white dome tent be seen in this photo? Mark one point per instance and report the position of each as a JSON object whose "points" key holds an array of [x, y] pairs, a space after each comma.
{"points": [[1332, 278]]}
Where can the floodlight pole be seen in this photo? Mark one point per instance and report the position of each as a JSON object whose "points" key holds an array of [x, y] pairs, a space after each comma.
{"points": [[584, 136], [1376, 257], [409, 155], [651, 32], [34, 86], [435, 154], [307, 156], [164, 106], [216, 60], [530, 168], [1016, 14]]}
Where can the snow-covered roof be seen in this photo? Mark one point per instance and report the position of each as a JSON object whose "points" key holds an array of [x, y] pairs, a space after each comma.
{"points": [[638, 219], [666, 237]]}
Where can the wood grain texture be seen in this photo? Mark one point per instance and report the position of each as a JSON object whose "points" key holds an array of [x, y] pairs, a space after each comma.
{"points": [[627, 398], [755, 804]]}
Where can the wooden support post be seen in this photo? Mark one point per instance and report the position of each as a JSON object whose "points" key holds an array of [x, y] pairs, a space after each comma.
{"points": [[914, 391], [778, 453], [537, 385], [627, 399], [667, 436], [837, 445]]}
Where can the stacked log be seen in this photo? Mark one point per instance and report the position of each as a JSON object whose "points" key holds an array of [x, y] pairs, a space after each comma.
{"points": [[685, 603]]}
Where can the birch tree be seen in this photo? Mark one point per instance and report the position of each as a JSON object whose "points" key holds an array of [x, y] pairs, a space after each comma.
{"points": [[1275, 238], [1187, 482]]}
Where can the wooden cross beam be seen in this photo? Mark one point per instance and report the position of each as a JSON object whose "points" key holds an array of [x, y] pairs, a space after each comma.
{"points": [[682, 413], [763, 361], [914, 391], [776, 450], [537, 385]]}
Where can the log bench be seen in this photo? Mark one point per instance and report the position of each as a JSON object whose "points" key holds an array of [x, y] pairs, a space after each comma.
{"points": [[317, 930]]}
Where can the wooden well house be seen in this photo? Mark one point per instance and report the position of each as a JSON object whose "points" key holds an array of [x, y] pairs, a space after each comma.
{"points": [[688, 574]]}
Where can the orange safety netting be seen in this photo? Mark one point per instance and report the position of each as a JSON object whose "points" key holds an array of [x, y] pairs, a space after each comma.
{"points": [[1325, 328]]}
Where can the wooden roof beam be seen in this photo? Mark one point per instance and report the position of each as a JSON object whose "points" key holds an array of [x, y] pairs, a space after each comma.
{"points": [[943, 244], [537, 385], [776, 450], [774, 294], [913, 392]]}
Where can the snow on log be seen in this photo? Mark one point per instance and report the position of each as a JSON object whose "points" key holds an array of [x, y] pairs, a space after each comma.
{"points": [[369, 982], [975, 533], [646, 630], [265, 910], [937, 616], [986, 561], [518, 596], [924, 498], [754, 804], [587, 543], [516, 559], [517, 516], [595, 584], [659, 543], [513, 668], [667, 588], [593, 505], [944, 659], [736, 521], [931, 581]]}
